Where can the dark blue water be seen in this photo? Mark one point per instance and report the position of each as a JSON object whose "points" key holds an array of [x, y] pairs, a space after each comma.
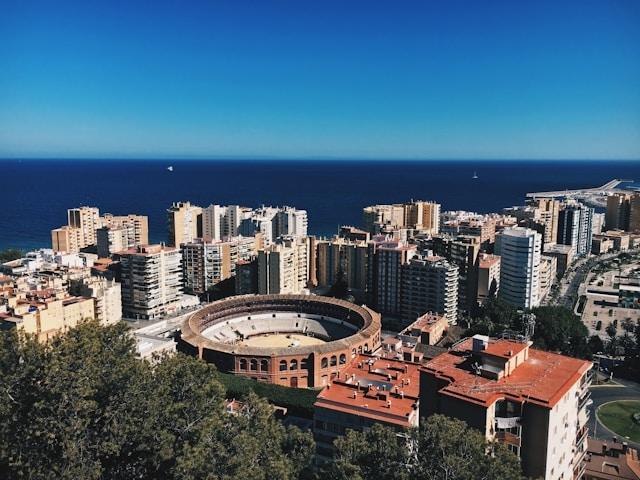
{"points": [[36, 194]]}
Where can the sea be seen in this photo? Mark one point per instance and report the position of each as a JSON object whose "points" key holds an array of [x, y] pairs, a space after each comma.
{"points": [[35, 194]]}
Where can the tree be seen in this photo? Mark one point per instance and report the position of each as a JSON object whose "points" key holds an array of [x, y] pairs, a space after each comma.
{"points": [[84, 406], [378, 453], [340, 288], [596, 345], [442, 448], [559, 329], [611, 331]]}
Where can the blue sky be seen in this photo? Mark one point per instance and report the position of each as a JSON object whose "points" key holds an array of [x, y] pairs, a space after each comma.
{"points": [[426, 79]]}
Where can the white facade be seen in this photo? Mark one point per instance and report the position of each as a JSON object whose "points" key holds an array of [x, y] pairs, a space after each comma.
{"points": [[284, 267], [519, 249]]}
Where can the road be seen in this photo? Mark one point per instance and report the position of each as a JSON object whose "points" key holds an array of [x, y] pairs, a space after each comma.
{"points": [[627, 390], [573, 278]]}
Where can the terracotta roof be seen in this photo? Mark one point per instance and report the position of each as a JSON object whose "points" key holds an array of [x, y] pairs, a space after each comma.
{"points": [[391, 381], [543, 378]]}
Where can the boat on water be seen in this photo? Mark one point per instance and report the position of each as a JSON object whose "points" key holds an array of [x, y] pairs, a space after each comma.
{"points": [[475, 175], [170, 168]]}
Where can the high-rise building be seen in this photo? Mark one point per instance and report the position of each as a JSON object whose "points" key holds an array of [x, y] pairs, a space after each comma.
{"points": [[151, 278], [519, 249], [340, 255], [290, 221], [136, 225], [575, 227], [461, 251], [120, 233], [284, 267], [204, 264], [184, 222], [274, 222], [488, 276], [415, 215], [548, 211], [422, 216], [88, 220], [80, 231], [534, 402], [83, 226], [67, 239], [112, 239], [212, 219], [618, 211], [429, 284], [384, 272]]}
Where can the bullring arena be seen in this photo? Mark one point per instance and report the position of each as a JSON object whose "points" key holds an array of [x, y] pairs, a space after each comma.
{"points": [[290, 340]]}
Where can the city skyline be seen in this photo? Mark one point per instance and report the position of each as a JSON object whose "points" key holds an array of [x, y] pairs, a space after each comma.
{"points": [[354, 81]]}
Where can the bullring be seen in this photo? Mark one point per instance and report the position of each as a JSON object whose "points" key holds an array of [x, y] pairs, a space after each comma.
{"points": [[290, 340]]}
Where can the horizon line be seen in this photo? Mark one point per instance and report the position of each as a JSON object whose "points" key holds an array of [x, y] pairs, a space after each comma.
{"points": [[302, 158]]}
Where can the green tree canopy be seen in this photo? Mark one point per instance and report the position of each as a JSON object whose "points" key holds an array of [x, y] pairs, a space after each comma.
{"points": [[84, 407], [442, 448]]}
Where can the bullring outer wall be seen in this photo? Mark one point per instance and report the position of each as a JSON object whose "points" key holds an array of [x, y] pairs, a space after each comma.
{"points": [[306, 366]]}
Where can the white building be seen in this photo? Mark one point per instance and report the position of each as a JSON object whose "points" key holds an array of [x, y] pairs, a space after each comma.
{"points": [[151, 281], [519, 249], [107, 297], [284, 267]]}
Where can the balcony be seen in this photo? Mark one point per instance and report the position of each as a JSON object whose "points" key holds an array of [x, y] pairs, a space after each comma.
{"points": [[508, 438], [584, 400]]}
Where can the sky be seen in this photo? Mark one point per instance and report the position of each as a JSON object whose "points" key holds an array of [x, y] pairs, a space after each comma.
{"points": [[320, 79]]}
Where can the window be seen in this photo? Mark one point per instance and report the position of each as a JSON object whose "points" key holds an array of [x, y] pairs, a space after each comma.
{"points": [[254, 364], [283, 365], [353, 353], [324, 363], [343, 359], [243, 364], [294, 365], [303, 364], [264, 365], [334, 361]]}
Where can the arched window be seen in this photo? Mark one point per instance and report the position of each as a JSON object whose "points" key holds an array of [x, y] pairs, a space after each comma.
{"points": [[343, 359], [360, 349], [264, 365], [254, 364], [366, 347], [353, 353], [243, 364], [283, 365], [324, 363], [294, 365], [334, 361]]}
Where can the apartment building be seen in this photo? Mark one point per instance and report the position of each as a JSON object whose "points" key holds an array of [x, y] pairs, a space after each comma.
{"points": [[488, 276], [429, 284], [184, 223], [107, 296], [534, 402], [519, 249], [151, 278], [284, 267], [369, 390], [342, 255], [575, 227], [386, 258]]}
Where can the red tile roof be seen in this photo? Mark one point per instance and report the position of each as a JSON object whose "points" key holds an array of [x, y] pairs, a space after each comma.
{"points": [[544, 378]]}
